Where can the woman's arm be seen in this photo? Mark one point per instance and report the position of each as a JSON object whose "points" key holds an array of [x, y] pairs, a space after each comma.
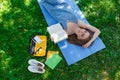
{"points": [[91, 28]]}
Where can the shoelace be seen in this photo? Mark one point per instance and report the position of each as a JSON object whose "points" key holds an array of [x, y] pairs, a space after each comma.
{"points": [[38, 64]]}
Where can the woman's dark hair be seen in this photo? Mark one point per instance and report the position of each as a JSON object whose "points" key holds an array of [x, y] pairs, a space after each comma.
{"points": [[74, 40]]}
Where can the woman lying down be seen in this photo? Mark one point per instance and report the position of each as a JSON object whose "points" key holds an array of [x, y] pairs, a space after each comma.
{"points": [[79, 33]]}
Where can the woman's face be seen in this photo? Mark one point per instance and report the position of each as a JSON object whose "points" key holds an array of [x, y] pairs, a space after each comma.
{"points": [[82, 33]]}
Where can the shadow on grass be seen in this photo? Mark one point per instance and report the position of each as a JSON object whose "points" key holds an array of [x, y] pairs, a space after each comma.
{"points": [[21, 19]]}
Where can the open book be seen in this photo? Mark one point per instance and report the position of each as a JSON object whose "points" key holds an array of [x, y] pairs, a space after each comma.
{"points": [[57, 32]]}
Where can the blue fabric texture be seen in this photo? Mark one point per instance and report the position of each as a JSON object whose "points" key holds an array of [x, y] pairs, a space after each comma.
{"points": [[61, 11]]}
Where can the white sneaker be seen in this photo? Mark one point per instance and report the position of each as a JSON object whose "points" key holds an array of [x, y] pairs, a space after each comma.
{"points": [[36, 69], [36, 63]]}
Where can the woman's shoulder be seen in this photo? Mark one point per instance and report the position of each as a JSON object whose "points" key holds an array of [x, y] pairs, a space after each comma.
{"points": [[70, 27], [71, 24]]}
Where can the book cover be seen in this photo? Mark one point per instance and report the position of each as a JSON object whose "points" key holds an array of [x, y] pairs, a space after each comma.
{"points": [[57, 32], [49, 53], [53, 60]]}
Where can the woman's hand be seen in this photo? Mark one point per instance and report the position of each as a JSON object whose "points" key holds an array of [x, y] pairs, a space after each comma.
{"points": [[51, 37], [86, 45]]}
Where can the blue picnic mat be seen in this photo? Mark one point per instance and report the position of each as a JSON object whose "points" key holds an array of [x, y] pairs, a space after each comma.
{"points": [[73, 53]]}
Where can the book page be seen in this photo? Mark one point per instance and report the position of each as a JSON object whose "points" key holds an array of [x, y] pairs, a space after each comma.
{"points": [[54, 28], [57, 32], [59, 36]]}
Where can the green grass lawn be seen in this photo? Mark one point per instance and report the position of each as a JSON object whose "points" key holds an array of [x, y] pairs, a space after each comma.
{"points": [[22, 19]]}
